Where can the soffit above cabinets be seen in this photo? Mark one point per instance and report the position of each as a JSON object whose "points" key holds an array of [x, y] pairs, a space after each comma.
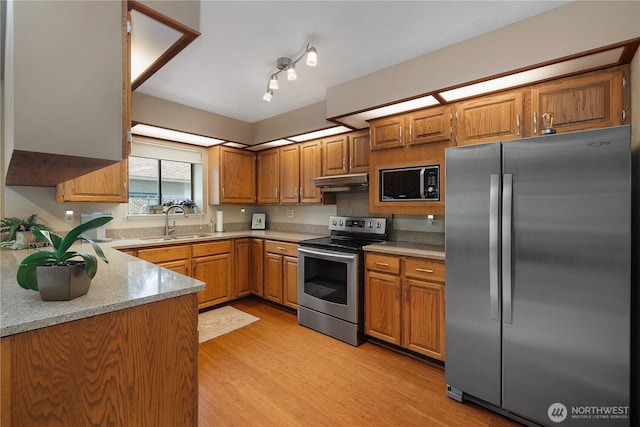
{"points": [[621, 53]]}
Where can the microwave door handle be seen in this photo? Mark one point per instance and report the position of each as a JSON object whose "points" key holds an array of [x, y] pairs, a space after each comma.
{"points": [[422, 193]]}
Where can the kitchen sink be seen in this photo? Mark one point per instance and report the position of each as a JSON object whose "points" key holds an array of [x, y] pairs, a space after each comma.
{"points": [[192, 236], [178, 237]]}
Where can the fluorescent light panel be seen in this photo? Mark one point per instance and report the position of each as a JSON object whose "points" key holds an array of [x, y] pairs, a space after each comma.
{"points": [[234, 145], [271, 144], [172, 135], [359, 120], [542, 73], [319, 134]]}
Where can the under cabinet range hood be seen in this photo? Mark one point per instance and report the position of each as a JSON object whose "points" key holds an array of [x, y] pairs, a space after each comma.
{"points": [[343, 183]]}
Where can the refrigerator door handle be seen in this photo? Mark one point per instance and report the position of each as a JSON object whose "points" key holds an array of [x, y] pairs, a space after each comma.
{"points": [[494, 250], [507, 205]]}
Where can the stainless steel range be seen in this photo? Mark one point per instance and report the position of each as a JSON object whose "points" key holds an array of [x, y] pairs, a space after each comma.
{"points": [[331, 277]]}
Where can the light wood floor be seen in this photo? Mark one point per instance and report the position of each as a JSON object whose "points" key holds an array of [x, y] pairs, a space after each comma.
{"points": [[275, 372]]}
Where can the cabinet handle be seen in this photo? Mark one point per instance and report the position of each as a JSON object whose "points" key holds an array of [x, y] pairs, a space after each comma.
{"points": [[295, 192], [410, 133], [397, 291], [222, 193], [351, 161], [424, 270], [383, 264], [406, 294], [343, 160], [280, 248], [276, 192], [301, 194], [401, 134], [518, 125], [535, 122], [624, 115]]}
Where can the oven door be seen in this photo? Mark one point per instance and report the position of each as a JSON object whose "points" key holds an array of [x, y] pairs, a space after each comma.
{"points": [[328, 282]]}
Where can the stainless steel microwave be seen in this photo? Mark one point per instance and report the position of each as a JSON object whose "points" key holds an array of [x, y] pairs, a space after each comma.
{"points": [[419, 183]]}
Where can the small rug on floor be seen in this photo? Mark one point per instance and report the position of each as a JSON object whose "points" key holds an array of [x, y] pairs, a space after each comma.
{"points": [[221, 321]]}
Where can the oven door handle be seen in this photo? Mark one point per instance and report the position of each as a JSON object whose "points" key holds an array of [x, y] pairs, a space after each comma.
{"points": [[334, 255]]}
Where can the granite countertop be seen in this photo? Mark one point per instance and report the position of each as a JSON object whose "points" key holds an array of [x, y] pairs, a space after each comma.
{"points": [[419, 250], [125, 282]]}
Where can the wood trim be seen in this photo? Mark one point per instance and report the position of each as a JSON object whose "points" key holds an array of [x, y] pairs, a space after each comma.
{"points": [[189, 35], [5, 381], [30, 168]]}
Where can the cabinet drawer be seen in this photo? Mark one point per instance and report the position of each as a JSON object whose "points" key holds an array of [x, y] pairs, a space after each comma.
{"points": [[166, 253], [386, 263], [424, 269], [289, 249], [211, 248]]}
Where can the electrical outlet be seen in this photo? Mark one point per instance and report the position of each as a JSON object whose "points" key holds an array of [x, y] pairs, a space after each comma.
{"points": [[242, 212], [430, 221], [68, 216], [290, 213]]}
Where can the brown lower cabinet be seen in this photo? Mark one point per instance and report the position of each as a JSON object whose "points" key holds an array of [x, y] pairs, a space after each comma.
{"points": [[281, 273], [404, 302], [118, 368], [212, 263], [233, 268]]}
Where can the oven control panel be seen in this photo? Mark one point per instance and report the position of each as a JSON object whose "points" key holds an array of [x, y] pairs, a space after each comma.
{"points": [[358, 225]]}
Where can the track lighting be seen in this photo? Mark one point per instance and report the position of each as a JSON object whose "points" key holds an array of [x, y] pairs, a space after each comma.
{"points": [[289, 65]]}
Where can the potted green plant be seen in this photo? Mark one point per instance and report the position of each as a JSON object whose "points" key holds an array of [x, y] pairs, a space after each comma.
{"points": [[57, 274], [18, 231]]}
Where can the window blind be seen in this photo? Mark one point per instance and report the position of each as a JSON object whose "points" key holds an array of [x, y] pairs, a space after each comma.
{"points": [[165, 152]]}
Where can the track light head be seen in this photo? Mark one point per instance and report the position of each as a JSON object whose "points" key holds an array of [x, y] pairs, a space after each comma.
{"points": [[312, 57], [273, 83], [268, 95]]}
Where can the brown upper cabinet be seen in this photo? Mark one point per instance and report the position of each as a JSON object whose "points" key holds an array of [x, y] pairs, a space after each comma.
{"points": [[104, 185], [589, 101], [490, 118], [231, 176], [268, 176], [419, 127], [310, 168], [346, 153], [290, 174]]}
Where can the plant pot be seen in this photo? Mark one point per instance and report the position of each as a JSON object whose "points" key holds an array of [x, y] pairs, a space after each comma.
{"points": [[25, 238], [62, 282]]}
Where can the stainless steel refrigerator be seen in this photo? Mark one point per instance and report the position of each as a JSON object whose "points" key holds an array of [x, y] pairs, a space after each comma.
{"points": [[538, 277]]}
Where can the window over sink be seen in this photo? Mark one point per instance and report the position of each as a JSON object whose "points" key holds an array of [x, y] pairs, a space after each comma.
{"points": [[163, 175]]}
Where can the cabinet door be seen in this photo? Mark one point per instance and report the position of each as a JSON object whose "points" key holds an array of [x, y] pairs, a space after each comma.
{"points": [[491, 118], [255, 267], [104, 185], [289, 174], [216, 272], [359, 152], [382, 306], [430, 125], [237, 176], [241, 280], [290, 281], [180, 266], [273, 277], [310, 168], [334, 155], [387, 133], [591, 101], [423, 318], [268, 176]]}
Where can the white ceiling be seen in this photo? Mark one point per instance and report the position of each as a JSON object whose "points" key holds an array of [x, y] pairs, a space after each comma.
{"points": [[226, 69]]}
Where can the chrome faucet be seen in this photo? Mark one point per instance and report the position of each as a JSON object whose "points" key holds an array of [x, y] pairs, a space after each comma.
{"points": [[168, 230]]}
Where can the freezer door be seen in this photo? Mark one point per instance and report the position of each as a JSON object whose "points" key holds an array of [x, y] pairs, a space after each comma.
{"points": [[472, 281], [566, 330]]}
